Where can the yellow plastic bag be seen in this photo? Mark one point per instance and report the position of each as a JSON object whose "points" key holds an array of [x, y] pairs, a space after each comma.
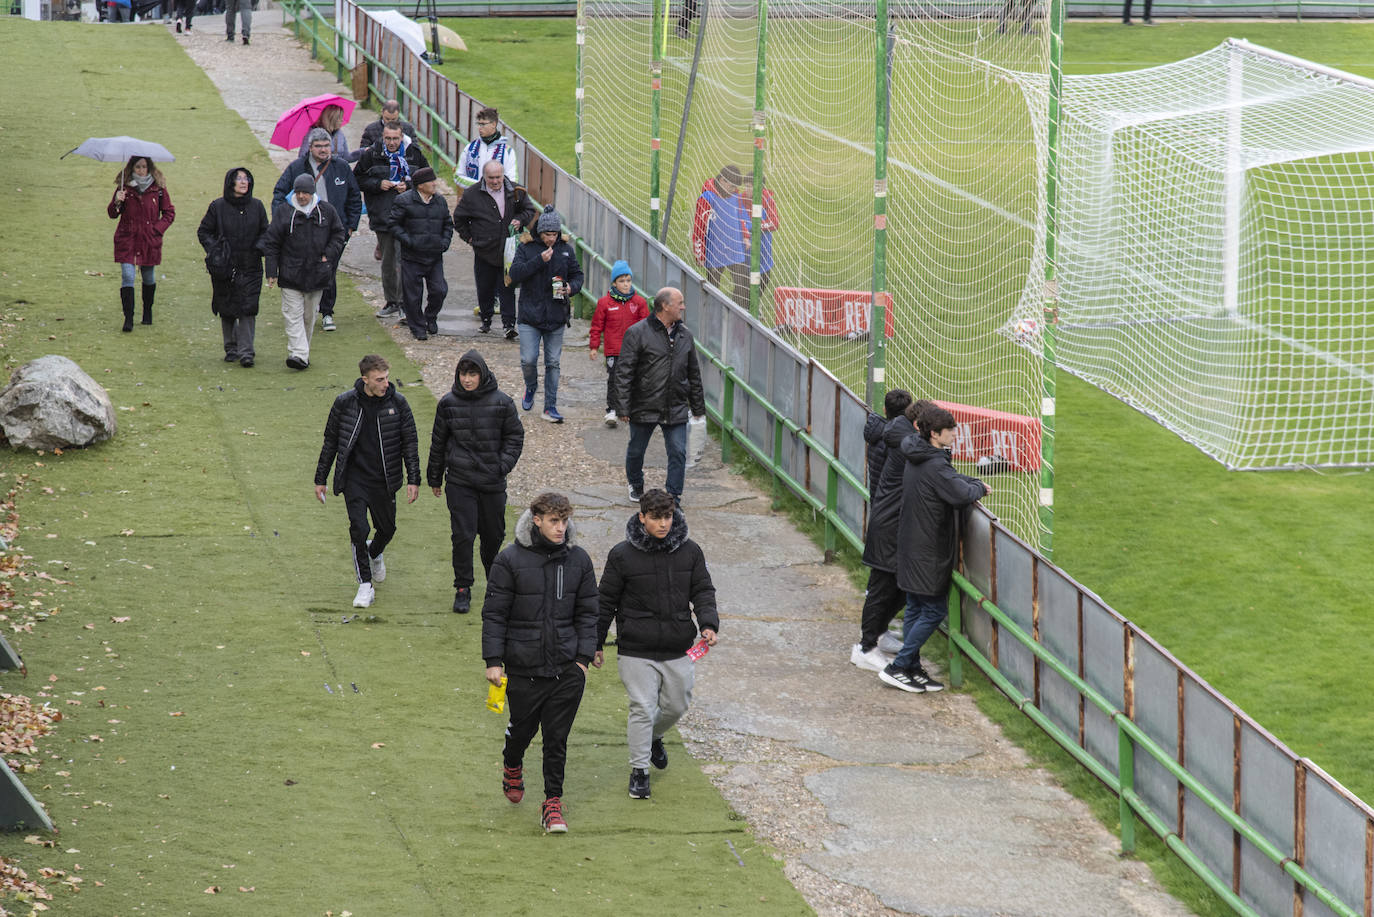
{"points": [[496, 696]]}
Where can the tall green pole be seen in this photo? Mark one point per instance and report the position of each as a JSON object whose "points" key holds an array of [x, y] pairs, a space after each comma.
{"points": [[655, 107], [581, 85], [760, 140], [1050, 321], [882, 99]]}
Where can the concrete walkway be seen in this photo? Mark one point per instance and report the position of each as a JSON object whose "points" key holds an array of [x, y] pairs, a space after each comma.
{"points": [[880, 802]]}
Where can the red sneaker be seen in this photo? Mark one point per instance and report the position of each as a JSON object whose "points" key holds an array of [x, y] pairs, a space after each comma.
{"points": [[512, 784], [553, 816]]}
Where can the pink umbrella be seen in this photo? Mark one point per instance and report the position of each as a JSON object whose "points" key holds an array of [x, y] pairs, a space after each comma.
{"points": [[295, 123]]}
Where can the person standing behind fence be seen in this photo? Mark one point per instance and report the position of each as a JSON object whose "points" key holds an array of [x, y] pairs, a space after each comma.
{"points": [[241, 221], [384, 171], [658, 384], [144, 210], [549, 276], [615, 312], [420, 221], [933, 498], [302, 243], [490, 144], [244, 10], [718, 232], [486, 215]]}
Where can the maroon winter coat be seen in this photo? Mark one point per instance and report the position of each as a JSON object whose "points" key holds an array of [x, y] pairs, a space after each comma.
{"points": [[143, 218]]}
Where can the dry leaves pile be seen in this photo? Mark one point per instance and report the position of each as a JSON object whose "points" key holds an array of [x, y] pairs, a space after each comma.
{"points": [[21, 723]]}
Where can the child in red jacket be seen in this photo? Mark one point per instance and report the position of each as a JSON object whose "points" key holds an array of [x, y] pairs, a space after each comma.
{"points": [[620, 308]]}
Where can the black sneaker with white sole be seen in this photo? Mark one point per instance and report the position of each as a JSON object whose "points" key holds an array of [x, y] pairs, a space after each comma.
{"points": [[922, 678], [658, 755], [639, 783], [901, 679]]}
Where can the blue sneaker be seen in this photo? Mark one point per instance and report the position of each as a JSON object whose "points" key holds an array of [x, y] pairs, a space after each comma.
{"points": [[529, 399], [552, 415]]}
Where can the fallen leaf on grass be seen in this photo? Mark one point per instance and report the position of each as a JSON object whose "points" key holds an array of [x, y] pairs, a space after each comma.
{"points": [[176, 713], [249, 433], [126, 532], [39, 841], [379, 745], [120, 620], [250, 888], [212, 890], [305, 652]]}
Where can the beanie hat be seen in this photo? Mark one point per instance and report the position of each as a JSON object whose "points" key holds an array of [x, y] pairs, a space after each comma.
{"points": [[621, 269], [549, 221], [304, 183], [731, 174], [317, 133], [423, 175]]}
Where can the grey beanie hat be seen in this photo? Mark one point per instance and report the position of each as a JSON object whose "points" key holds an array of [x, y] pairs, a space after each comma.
{"points": [[549, 221], [304, 183], [317, 133]]}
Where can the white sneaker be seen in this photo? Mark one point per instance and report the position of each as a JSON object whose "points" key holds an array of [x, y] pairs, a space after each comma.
{"points": [[378, 565], [365, 595], [327, 322], [611, 419], [890, 643], [872, 661]]}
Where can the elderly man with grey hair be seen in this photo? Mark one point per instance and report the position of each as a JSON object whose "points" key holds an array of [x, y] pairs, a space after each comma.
{"points": [[334, 182]]}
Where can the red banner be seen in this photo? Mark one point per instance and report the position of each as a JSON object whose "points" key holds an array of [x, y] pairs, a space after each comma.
{"points": [[983, 433], [827, 313]]}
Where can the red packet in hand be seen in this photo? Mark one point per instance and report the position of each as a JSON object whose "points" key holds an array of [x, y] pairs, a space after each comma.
{"points": [[699, 649]]}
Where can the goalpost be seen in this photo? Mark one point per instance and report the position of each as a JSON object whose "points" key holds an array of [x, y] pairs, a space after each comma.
{"points": [[1216, 259]]}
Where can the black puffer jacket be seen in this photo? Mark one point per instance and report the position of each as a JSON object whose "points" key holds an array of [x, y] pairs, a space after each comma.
{"points": [[885, 506], [651, 587], [373, 168], [658, 380], [933, 498], [482, 226], [539, 615], [538, 308], [424, 230], [396, 429], [295, 242], [242, 222], [874, 426], [477, 436]]}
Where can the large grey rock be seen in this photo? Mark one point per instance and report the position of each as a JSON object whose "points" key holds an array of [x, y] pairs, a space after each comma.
{"points": [[51, 403]]}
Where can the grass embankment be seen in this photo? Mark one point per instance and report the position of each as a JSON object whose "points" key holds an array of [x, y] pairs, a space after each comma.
{"points": [[201, 747]]}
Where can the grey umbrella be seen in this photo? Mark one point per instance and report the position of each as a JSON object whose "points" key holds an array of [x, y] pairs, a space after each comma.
{"points": [[120, 149]]}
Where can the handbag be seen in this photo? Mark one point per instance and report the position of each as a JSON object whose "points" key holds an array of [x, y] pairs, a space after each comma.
{"points": [[219, 260]]}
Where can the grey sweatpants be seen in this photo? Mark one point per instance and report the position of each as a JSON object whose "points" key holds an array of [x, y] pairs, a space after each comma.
{"points": [[660, 693]]}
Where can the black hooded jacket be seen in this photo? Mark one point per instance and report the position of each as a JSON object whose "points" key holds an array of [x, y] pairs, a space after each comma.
{"points": [[539, 615], [395, 429], [423, 229], [885, 502], [373, 168], [877, 449], [241, 221], [651, 587], [933, 498], [477, 437], [302, 249]]}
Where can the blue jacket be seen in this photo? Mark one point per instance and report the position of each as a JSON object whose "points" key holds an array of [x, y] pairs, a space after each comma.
{"points": [[338, 186]]}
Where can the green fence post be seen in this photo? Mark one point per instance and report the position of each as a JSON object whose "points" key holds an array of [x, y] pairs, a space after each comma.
{"points": [[581, 83], [1125, 770], [727, 417], [655, 108], [760, 126], [877, 313], [956, 629], [832, 506], [339, 55], [777, 461], [1050, 317]]}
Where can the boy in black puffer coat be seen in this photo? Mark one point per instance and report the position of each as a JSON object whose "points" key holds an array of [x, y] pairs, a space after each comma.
{"points": [[421, 224], [477, 440], [655, 581]]}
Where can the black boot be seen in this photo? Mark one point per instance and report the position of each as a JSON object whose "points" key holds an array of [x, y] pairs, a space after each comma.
{"points": [[126, 301], [148, 290]]}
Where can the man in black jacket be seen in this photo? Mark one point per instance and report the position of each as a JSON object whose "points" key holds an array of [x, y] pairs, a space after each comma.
{"points": [[933, 497], [539, 625], [302, 245], [477, 440], [369, 436], [658, 384], [486, 214], [391, 114], [420, 222], [654, 582], [384, 170]]}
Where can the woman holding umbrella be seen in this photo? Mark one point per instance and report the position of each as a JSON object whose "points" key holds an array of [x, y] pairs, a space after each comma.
{"points": [[239, 219], [331, 120], [144, 210]]}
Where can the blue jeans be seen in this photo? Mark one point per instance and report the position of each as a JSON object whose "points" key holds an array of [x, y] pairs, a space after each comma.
{"points": [[529, 360], [127, 271], [674, 439], [923, 615]]}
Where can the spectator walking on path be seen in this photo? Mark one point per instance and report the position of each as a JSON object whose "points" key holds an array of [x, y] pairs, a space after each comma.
{"points": [[368, 438], [391, 114], [240, 221], [185, 12], [654, 583], [883, 598], [539, 624], [486, 215], [421, 225], [490, 144], [476, 441], [615, 312], [549, 275], [933, 497], [302, 245], [335, 183], [383, 171], [244, 10], [658, 384], [144, 210]]}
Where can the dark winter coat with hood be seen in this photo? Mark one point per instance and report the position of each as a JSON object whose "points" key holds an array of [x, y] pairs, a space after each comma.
{"points": [[657, 377], [424, 230], [477, 436], [374, 167], [651, 587], [539, 616], [336, 185], [143, 218], [395, 429], [241, 221], [934, 497], [885, 504], [295, 243], [874, 427], [482, 226], [538, 308]]}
